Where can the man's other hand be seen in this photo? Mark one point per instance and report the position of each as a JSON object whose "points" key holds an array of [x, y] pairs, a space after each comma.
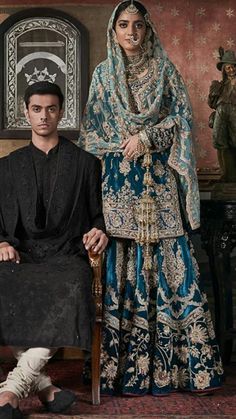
{"points": [[8, 253], [95, 240]]}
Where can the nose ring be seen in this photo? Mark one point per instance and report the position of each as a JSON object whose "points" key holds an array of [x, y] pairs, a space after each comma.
{"points": [[134, 39]]}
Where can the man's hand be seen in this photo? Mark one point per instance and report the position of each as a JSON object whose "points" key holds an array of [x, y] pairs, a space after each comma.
{"points": [[95, 240], [8, 253]]}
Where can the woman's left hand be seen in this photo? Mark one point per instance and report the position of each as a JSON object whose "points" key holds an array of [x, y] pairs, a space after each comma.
{"points": [[130, 146]]}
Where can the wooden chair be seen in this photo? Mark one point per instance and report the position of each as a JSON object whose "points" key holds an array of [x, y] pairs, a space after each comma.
{"points": [[96, 264]]}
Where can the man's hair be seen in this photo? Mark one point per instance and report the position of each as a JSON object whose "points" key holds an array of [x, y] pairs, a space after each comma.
{"points": [[43, 88]]}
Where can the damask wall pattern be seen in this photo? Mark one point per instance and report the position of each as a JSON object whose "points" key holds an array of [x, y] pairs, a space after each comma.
{"points": [[191, 32]]}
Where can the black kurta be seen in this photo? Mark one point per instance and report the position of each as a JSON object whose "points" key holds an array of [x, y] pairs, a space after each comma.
{"points": [[47, 203]]}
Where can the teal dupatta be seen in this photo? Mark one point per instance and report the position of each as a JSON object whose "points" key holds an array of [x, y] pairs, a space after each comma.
{"points": [[108, 117]]}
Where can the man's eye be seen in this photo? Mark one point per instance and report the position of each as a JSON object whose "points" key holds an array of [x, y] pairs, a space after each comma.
{"points": [[52, 109], [36, 109]]}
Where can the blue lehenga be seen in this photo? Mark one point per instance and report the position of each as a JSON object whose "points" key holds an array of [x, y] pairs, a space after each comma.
{"points": [[157, 332]]}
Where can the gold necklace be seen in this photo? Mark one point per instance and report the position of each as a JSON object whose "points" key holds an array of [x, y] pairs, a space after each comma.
{"points": [[135, 65]]}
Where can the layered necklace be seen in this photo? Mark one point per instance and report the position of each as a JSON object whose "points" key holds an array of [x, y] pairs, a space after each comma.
{"points": [[135, 65]]}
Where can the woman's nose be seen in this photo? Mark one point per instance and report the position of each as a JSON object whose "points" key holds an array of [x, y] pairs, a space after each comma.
{"points": [[131, 29]]}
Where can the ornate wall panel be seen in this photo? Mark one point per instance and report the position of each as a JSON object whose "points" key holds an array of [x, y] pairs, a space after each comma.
{"points": [[43, 46]]}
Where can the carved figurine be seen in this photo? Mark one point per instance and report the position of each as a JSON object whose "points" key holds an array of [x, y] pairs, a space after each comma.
{"points": [[222, 98]]}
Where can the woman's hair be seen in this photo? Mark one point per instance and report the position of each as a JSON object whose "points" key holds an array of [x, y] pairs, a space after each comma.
{"points": [[124, 6]]}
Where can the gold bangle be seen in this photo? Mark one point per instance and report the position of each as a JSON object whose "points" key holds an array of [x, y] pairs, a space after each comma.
{"points": [[144, 138], [141, 148]]}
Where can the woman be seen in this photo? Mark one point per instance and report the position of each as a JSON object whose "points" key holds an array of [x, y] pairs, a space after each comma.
{"points": [[158, 334]]}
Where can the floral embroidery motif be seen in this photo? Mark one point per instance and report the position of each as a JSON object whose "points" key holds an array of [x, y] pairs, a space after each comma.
{"points": [[125, 167], [173, 267], [158, 334]]}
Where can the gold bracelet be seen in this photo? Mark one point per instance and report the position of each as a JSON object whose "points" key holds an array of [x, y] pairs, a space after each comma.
{"points": [[144, 138], [141, 148]]}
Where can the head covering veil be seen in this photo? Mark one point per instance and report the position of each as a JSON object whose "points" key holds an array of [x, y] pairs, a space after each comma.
{"points": [[117, 71], [109, 118]]}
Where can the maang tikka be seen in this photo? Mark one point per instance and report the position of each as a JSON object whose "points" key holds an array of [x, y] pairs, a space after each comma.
{"points": [[131, 9]]}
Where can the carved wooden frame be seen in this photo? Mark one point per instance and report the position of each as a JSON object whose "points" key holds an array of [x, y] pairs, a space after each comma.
{"points": [[42, 44]]}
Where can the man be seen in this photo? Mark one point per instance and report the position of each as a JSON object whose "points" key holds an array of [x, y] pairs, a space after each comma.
{"points": [[50, 215], [222, 98]]}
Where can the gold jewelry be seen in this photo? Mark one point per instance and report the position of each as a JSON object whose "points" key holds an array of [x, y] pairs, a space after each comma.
{"points": [[144, 138], [135, 65], [132, 9], [134, 39], [146, 216], [143, 145], [140, 150]]}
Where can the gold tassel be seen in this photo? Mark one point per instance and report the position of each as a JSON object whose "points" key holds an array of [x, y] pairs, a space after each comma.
{"points": [[146, 216]]}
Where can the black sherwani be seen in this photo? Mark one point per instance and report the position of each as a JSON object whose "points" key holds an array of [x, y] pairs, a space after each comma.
{"points": [[44, 212]]}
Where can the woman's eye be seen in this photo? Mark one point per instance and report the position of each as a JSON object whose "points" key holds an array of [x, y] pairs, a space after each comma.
{"points": [[139, 25], [123, 25]]}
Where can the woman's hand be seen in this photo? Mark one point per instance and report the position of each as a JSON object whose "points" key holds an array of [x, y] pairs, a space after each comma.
{"points": [[130, 146]]}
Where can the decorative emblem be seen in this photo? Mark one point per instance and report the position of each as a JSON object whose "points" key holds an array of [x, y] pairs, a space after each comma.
{"points": [[40, 75]]}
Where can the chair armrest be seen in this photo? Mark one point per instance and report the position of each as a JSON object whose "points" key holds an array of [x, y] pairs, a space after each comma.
{"points": [[96, 264]]}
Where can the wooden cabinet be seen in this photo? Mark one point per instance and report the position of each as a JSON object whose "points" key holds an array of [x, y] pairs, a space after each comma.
{"points": [[218, 235]]}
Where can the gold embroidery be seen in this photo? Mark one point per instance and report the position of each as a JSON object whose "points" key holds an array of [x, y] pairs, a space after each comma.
{"points": [[124, 167], [173, 267], [202, 380], [121, 207]]}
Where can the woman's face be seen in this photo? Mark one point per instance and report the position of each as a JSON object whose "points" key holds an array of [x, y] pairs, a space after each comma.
{"points": [[130, 27]]}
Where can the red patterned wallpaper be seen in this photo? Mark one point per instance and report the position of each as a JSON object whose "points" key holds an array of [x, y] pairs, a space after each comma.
{"points": [[191, 32]]}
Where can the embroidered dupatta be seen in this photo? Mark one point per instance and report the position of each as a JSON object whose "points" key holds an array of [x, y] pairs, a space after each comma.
{"points": [[108, 117]]}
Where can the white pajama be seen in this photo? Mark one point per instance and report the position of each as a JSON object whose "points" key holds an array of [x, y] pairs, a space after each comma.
{"points": [[27, 376]]}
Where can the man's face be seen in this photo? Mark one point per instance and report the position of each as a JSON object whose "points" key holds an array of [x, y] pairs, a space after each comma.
{"points": [[230, 70], [44, 114]]}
